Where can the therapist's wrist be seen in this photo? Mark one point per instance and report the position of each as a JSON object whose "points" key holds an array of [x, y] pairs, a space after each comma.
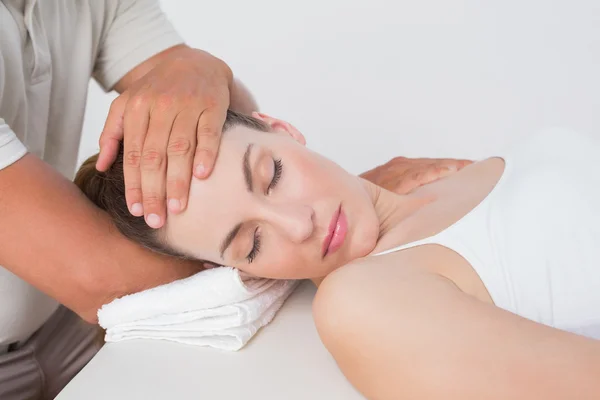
{"points": [[241, 100]]}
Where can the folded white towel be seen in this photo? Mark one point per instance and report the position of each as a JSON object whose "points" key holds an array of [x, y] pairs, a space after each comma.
{"points": [[219, 307]]}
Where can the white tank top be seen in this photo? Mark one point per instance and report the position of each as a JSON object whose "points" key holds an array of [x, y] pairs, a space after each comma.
{"points": [[535, 239]]}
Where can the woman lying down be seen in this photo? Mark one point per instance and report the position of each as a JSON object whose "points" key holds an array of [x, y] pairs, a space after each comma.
{"points": [[482, 285]]}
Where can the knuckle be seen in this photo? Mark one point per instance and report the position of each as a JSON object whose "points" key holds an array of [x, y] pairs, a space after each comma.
{"points": [[164, 101], [139, 100], [416, 175], [152, 200], [152, 159], [203, 152], [207, 131], [119, 102], [133, 193], [433, 175], [175, 186], [104, 139], [179, 147], [400, 187], [210, 102], [132, 158]]}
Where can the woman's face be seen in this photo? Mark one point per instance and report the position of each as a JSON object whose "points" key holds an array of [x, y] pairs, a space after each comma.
{"points": [[275, 209]]}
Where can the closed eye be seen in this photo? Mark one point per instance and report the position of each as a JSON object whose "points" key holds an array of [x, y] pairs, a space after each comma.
{"points": [[255, 246], [277, 170]]}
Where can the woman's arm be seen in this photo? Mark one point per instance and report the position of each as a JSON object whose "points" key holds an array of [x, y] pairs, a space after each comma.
{"points": [[398, 333]]}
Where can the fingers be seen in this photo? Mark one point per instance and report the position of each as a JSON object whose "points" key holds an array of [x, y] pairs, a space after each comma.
{"points": [[159, 142], [154, 162], [437, 169], [464, 163], [421, 172], [416, 177], [112, 134], [404, 185], [403, 175], [135, 126], [180, 156], [452, 163], [208, 139]]}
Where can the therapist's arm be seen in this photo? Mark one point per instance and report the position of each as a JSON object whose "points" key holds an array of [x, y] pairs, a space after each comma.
{"points": [[54, 238]]}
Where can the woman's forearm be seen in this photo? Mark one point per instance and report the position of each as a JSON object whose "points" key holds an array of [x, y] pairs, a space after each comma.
{"points": [[55, 239]]}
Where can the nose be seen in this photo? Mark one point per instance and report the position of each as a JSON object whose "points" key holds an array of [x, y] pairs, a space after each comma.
{"points": [[294, 221]]}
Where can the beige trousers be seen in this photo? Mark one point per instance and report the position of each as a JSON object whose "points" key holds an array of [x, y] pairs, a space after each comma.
{"points": [[43, 365]]}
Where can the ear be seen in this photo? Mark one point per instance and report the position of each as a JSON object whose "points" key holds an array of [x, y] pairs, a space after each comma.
{"points": [[278, 125]]}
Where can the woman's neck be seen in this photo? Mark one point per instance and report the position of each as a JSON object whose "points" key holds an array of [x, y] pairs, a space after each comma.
{"points": [[393, 211]]}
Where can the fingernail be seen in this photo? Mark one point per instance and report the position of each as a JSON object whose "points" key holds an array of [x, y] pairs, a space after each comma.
{"points": [[153, 221], [174, 205], [200, 170], [137, 210]]}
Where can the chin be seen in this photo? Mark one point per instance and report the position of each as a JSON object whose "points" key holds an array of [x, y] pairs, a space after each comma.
{"points": [[364, 240], [363, 249]]}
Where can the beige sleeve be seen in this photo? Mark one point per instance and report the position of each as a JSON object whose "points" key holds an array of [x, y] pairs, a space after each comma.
{"points": [[137, 31], [11, 148]]}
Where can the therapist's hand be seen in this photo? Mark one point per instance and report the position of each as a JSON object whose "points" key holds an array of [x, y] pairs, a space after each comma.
{"points": [[170, 120], [403, 175]]}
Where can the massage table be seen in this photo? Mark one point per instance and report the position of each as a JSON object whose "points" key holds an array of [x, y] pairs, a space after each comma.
{"points": [[450, 79], [285, 360]]}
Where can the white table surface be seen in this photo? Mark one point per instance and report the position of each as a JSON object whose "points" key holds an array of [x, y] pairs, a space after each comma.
{"points": [[285, 360]]}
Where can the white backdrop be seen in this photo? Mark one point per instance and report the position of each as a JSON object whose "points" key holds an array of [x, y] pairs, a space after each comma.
{"points": [[369, 80]]}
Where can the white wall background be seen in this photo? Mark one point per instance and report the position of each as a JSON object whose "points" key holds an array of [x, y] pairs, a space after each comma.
{"points": [[369, 80]]}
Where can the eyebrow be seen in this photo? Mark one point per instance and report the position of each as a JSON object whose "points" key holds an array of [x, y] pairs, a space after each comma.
{"points": [[248, 179], [230, 238], [246, 167]]}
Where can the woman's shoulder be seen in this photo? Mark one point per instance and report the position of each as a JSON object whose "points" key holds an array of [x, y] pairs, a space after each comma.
{"points": [[357, 303], [414, 272], [349, 282]]}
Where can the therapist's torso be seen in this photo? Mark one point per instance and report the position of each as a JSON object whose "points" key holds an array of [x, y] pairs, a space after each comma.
{"points": [[48, 52]]}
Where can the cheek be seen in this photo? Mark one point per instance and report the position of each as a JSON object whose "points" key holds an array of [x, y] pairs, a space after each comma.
{"points": [[310, 174], [290, 262], [281, 260]]}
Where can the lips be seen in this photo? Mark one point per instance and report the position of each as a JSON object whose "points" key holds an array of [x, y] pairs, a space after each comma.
{"points": [[336, 234]]}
